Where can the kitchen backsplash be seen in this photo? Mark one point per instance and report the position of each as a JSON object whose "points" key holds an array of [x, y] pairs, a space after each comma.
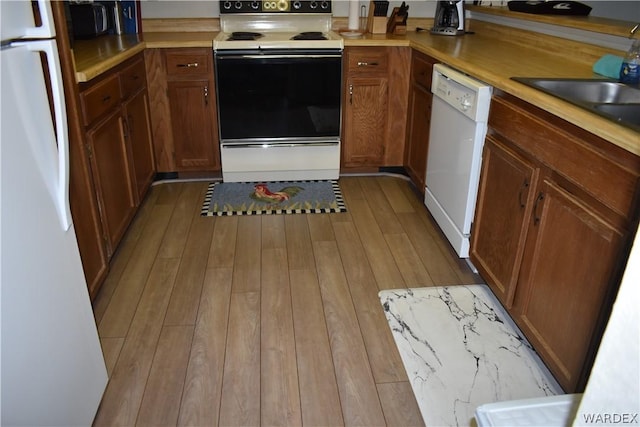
{"points": [[624, 10], [210, 9]]}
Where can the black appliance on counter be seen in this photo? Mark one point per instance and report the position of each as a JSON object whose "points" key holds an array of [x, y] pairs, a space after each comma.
{"points": [[449, 18], [553, 7], [88, 20]]}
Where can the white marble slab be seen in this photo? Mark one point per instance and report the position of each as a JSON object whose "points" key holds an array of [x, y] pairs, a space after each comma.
{"points": [[461, 350]]}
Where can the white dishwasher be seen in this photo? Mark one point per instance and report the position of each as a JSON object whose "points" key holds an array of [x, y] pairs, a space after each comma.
{"points": [[459, 116]]}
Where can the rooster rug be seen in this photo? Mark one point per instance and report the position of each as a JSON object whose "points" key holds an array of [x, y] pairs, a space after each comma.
{"points": [[281, 197]]}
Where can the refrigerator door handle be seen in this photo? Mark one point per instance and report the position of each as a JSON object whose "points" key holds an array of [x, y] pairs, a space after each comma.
{"points": [[50, 48], [47, 29]]}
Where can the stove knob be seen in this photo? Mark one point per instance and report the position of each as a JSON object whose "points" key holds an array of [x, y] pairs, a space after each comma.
{"points": [[324, 5], [297, 5], [255, 5], [283, 5], [238, 5], [227, 5], [314, 5]]}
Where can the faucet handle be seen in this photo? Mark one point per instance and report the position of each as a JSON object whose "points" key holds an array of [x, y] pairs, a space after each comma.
{"points": [[633, 30]]}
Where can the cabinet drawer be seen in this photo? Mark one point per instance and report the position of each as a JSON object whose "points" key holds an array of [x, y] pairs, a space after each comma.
{"points": [[422, 69], [99, 99], [185, 63], [367, 60], [132, 79]]}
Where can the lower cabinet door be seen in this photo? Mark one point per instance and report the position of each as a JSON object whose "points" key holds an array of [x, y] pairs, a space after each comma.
{"points": [[571, 252], [112, 174], [86, 218], [139, 132], [505, 200], [365, 121], [418, 138], [192, 105]]}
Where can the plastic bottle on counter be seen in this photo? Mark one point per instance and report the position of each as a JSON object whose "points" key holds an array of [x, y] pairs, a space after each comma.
{"points": [[630, 70]]}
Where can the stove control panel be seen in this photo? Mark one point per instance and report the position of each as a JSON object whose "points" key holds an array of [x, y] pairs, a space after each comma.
{"points": [[275, 6]]}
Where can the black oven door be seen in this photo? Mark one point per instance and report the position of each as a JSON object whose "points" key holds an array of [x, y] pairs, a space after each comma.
{"points": [[280, 95]]}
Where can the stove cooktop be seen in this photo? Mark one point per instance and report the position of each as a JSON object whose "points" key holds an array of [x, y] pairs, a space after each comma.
{"points": [[302, 24], [278, 40]]}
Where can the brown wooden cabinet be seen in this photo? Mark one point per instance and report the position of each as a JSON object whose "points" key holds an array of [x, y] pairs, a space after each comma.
{"points": [[419, 119], [183, 112], [365, 107], [86, 215], [136, 113], [194, 128], [570, 258], [118, 144], [500, 228], [374, 106], [555, 211], [82, 198], [112, 174]]}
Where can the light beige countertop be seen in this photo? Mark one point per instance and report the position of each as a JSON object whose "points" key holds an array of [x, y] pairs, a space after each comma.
{"points": [[94, 57], [177, 39], [484, 55]]}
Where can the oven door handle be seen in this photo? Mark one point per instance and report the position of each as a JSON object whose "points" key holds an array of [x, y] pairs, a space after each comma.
{"points": [[280, 144], [267, 56]]}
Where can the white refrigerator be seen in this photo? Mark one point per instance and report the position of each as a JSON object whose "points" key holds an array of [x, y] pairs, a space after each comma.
{"points": [[52, 369]]}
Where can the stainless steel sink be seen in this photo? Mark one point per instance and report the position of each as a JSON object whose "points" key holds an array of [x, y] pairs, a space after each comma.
{"points": [[622, 112], [608, 98]]}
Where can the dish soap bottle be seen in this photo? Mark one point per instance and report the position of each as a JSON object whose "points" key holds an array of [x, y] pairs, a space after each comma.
{"points": [[630, 70]]}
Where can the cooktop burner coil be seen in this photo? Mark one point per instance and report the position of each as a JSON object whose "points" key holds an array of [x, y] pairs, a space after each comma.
{"points": [[244, 35], [309, 35]]}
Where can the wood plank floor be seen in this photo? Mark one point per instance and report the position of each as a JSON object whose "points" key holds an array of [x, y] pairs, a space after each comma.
{"points": [[266, 320]]}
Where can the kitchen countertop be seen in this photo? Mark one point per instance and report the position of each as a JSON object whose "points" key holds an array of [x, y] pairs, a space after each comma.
{"points": [[94, 57], [484, 55]]}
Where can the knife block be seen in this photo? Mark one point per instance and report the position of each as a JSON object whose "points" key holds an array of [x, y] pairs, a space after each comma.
{"points": [[395, 25], [376, 24]]}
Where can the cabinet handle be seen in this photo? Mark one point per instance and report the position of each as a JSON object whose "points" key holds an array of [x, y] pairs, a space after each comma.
{"points": [[206, 95], [351, 94], [536, 217], [366, 64], [525, 185], [188, 65], [106, 99]]}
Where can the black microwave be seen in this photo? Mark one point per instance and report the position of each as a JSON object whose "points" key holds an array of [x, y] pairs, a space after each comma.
{"points": [[88, 20]]}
